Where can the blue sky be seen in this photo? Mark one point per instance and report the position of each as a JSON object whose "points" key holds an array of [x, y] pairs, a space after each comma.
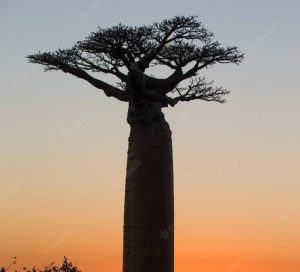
{"points": [[265, 87], [265, 30]]}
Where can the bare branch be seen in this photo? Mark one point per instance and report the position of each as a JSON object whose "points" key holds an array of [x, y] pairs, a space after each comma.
{"points": [[199, 89], [64, 60], [181, 44], [174, 30], [121, 43], [88, 62]]}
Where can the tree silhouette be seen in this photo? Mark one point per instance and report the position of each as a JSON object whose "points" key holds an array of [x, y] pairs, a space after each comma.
{"points": [[182, 46]]}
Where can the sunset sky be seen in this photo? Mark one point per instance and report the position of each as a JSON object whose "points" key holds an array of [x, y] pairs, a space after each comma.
{"points": [[64, 143]]}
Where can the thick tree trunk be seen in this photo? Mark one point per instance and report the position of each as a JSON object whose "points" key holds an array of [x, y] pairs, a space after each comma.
{"points": [[149, 199]]}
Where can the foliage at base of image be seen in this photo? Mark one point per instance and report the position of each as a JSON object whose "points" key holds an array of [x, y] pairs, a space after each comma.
{"points": [[65, 267]]}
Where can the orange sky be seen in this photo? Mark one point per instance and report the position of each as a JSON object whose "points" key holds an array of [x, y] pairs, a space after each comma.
{"points": [[236, 166], [236, 209]]}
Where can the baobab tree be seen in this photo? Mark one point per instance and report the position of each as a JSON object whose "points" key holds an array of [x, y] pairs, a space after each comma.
{"points": [[182, 47]]}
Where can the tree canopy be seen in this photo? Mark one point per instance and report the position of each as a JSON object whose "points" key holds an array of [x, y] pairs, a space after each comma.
{"points": [[181, 44]]}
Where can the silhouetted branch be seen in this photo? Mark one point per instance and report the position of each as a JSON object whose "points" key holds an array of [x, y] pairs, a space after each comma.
{"points": [[121, 45], [67, 61], [172, 31], [181, 44], [199, 89]]}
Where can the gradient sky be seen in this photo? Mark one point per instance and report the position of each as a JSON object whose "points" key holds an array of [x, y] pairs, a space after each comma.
{"points": [[63, 143]]}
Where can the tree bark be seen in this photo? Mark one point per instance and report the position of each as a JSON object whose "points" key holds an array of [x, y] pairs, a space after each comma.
{"points": [[148, 244]]}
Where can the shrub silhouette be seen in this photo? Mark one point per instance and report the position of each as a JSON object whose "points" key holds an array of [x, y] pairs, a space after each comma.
{"points": [[65, 267]]}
